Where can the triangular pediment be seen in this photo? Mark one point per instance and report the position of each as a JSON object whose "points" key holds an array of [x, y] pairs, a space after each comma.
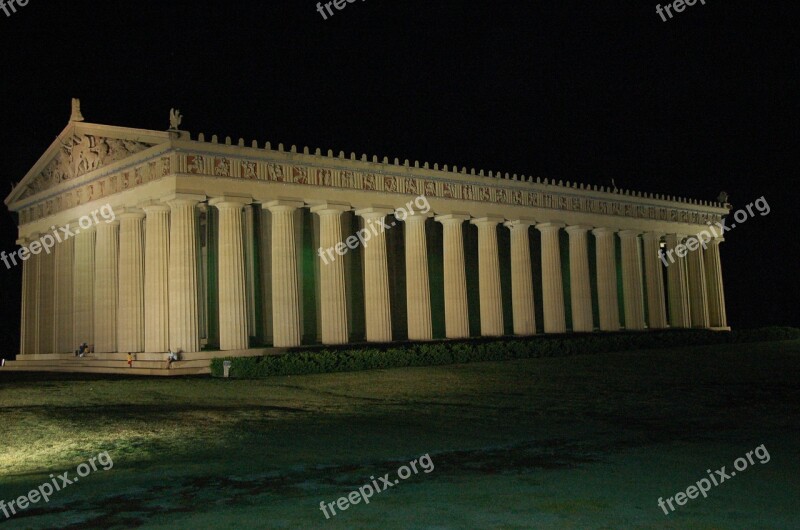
{"points": [[82, 148]]}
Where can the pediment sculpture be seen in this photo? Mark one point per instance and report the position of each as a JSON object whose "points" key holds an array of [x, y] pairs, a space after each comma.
{"points": [[81, 154]]}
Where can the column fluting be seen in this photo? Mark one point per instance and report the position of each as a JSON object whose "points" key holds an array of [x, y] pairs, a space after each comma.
{"points": [[64, 255], [552, 282], [522, 302], [333, 299], [418, 290], [46, 305], [233, 332], [106, 286], [130, 329], [285, 297], [156, 277], [698, 296], [455, 278], [580, 286], [29, 340], [632, 290], [716, 293], [656, 309], [184, 333], [677, 284], [377, 304], [606, 258], [83, 287], [491, 298]]}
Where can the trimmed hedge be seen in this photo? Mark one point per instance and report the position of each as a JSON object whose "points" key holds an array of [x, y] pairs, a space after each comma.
{"points": [[349, 359]]}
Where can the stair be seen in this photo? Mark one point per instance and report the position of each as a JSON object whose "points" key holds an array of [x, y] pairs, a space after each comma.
{"points": [[148, 364]]}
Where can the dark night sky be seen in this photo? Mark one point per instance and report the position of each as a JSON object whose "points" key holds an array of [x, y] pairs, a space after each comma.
{"points": [[584, 91]]}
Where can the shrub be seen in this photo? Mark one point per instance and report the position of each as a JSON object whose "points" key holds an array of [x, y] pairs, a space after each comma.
{"points": [[476, 350]]}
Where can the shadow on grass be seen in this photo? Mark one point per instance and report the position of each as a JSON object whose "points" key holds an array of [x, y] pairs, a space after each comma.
{"points": [[184, 495]]}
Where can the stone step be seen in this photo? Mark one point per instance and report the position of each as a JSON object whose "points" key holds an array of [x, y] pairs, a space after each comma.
{"points": [[154, 356], [145, 363], [11, 367], [195, 363]]}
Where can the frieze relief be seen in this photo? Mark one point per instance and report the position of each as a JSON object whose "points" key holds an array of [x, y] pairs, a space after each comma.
{"points": [[98, 189], [300, 174]]}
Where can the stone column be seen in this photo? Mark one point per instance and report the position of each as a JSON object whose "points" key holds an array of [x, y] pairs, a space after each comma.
{"points": [[285, 297], [491, 298], [677, 284], [552, 283], [455, 278], [249, 236], [265, 274], [29, 340], [233, 333], [130, 328], [83, 287], [333, 306], [106, 287], [716, 293], [64, 255], [698, 297], [204, 241], [377, 304], [607, 279], [46, 307], [522, 305], [156, 271], [418, 290], [184, 332], [656, 312], [632, 290], [580, 287]]}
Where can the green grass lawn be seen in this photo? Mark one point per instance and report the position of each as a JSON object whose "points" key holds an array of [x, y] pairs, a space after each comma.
{"points": [[588, 441]]}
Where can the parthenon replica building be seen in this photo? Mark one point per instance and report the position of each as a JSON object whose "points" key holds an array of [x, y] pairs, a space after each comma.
{"points": [[216, 248]]}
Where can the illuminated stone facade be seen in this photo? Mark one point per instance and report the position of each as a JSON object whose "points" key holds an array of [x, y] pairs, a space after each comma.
{"points": [[214, 245]]}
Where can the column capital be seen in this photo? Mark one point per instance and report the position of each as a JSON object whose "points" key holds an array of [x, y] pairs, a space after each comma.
{"points": [[674, 239], [601, 230], [519, 223], [23, 241], [229, 201], [629, 233], [282, 205], [488, 220], [130, 213], [452, 218], [183, 197], [576, 229], [717, 240], [327, 208], [112, 223], [652, 236], [87, 230], [550, 226], [374, 211], [152, 205], [417, 216]]}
